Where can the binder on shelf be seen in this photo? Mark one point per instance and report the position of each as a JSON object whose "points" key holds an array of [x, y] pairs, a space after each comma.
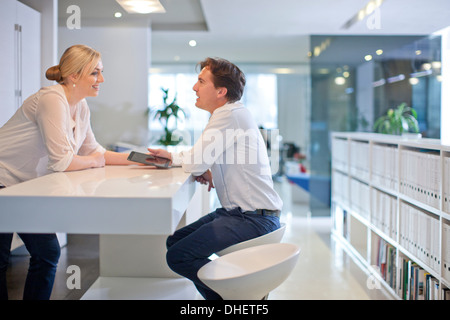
{"points": [[419, 235], [420, 176], [446, 252], [385, 166]]}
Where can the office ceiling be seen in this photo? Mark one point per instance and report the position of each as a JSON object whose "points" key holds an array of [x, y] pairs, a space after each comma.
{"points": [[261, 31]]}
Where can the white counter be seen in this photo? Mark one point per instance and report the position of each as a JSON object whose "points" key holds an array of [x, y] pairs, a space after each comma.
{"points": [[134, 208], [113, 200]]}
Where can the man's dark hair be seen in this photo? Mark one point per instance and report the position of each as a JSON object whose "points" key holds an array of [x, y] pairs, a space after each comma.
{"points": [[226, 74]]}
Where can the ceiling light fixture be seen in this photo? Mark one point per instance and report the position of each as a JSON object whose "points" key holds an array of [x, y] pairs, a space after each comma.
{"points": [[413, 81], [118, 14], [142, 6], [339, 81], [397, 78], [193, 43]]}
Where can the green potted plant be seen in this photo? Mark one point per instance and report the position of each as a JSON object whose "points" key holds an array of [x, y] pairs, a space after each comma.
{"points": [[402, 119], [169, 110]]}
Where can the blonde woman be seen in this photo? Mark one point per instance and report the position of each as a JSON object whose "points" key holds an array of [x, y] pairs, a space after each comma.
{"points": [[51, 132]]}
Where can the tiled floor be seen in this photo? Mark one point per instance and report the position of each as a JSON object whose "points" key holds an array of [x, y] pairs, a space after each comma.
{"points": [[324, 271]]}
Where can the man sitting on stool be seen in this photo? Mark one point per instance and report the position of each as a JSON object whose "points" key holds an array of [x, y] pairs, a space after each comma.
{"points": [[230, 156]]}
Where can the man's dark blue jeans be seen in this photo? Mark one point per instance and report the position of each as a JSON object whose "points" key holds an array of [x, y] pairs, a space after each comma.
{"points": [[189, 248], [45, 251]]}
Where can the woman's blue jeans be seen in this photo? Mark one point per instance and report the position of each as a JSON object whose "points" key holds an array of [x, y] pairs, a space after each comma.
{"points": [[45, 251], [189, 248]]}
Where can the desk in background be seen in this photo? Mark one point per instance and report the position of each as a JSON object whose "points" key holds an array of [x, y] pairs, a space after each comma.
{"points": [[317, 186]]}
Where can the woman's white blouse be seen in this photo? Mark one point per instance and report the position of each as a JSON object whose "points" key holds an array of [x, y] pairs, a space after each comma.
{"points": [[42, 137]]}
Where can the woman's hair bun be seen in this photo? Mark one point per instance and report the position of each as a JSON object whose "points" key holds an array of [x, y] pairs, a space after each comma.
{"points": [[54, 73]]}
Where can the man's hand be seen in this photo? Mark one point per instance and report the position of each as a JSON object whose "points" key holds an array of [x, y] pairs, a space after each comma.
{"points": [[206, 178], [160, 153]]}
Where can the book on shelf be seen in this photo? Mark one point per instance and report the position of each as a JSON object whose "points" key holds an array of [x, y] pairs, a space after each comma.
{"points": [[386, 262], [416, 283], [445, 294]]}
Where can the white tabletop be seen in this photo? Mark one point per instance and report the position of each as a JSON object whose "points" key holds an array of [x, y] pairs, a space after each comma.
{"points": [[110, 200]]}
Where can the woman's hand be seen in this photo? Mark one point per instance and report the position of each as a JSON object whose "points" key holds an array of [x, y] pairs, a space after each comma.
{"points": [[98, 160], [206, 178]]}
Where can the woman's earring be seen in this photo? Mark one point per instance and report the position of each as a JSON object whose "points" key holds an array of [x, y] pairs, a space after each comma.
{"points": [[74, 85]]}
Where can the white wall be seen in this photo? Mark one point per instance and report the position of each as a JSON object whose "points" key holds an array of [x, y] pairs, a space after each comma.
{"points": [[118, 113]]}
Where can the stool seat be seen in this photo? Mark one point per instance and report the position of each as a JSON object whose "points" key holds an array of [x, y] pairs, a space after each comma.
{"points": [[250, 273], [271, 237]]}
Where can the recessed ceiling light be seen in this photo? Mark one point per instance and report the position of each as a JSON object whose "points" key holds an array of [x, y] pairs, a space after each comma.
{"points": [[142, 6], [118, 14], [192, 43], [379, 52], [436, 64], [426, 66], [368, 57], [413, 81], [339, 81], [283, 70]]}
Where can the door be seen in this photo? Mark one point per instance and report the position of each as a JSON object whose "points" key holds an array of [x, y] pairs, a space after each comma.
{"points": [[20, 55], [7, 70], [28, 57]]}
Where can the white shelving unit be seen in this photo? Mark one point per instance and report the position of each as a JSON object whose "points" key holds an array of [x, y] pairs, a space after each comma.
{"points": [[391, 210]]}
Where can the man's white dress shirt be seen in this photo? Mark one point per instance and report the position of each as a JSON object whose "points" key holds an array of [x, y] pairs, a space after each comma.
{"points": [[232, 147]]}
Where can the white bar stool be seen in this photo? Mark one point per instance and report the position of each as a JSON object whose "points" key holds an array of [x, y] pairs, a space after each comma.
{"points": [[272, 237], [250, 273]]}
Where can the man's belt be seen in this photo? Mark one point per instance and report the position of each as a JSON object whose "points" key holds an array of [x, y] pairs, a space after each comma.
{"points": [[266, 212]]}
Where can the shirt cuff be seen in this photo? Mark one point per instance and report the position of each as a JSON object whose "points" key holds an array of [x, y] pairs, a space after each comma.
{"points": [[177, 159], [61, 164]]}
